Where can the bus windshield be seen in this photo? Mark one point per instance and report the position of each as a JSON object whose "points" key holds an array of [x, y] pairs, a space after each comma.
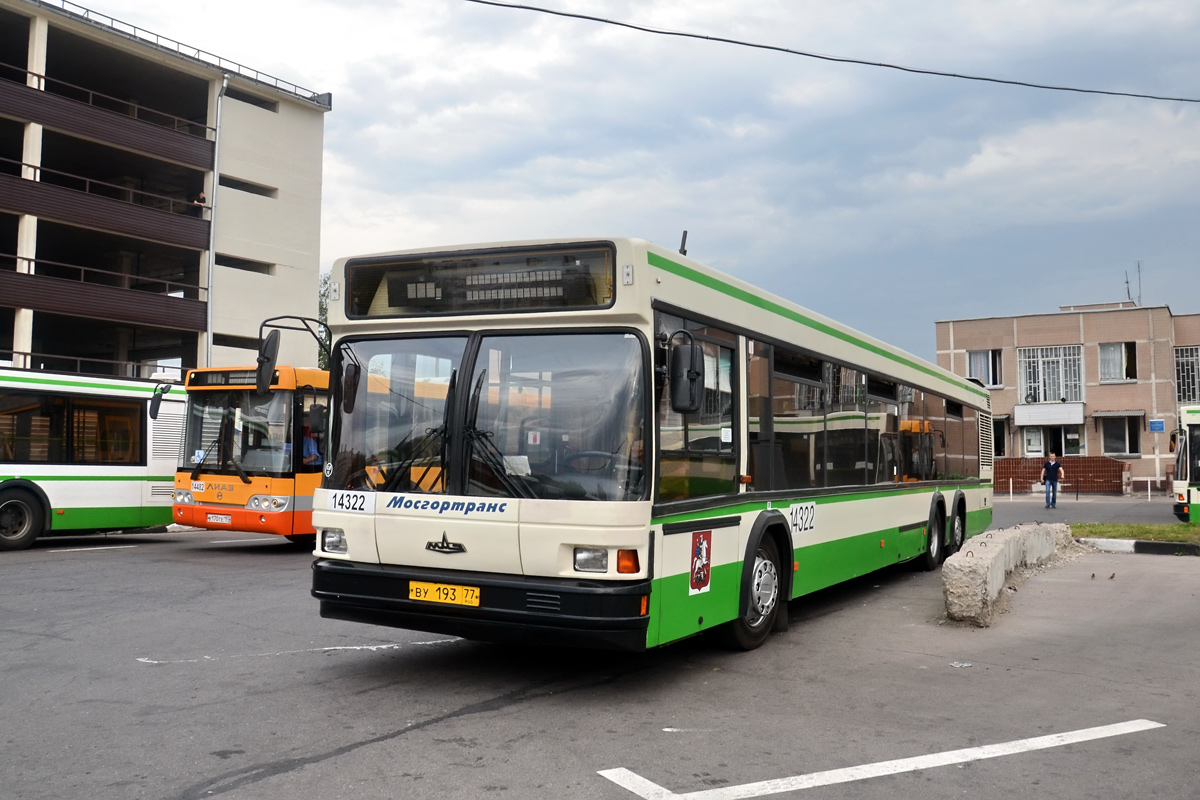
{"points": [[238, 431], [541, 416], [1188, 456]]}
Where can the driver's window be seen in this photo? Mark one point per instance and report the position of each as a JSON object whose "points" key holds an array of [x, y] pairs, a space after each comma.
{"points": [[698, 452]]}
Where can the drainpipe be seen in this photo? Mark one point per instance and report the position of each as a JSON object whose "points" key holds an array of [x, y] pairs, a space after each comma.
{"points": [[212, 225]]}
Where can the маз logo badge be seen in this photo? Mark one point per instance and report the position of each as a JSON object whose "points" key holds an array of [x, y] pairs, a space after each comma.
{"points": [[445, 546]]}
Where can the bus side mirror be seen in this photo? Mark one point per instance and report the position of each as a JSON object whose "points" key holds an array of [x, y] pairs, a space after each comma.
{"points": [[350, 387], [687, 376], [156, 399], [316, 418], [268, 352]]}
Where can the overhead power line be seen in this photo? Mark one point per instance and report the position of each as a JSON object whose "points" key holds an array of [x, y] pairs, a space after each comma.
{"points": [[839, 59]]}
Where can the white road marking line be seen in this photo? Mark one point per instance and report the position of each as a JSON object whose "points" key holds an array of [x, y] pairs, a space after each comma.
{"points": [[237, 541], [93, 549], [204, 659], [650, 791]]}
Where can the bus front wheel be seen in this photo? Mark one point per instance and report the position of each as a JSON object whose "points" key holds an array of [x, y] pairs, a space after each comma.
{"points": [[20, 519], [751, 629]]}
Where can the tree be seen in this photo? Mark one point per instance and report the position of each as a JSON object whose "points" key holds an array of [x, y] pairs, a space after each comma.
{"points": [[323, 315]]}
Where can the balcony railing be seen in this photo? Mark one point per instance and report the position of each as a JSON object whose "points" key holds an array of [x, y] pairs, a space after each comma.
{"points": [[112, 191], [86, 365], [119, 280], [170, 45], [106, 102]]}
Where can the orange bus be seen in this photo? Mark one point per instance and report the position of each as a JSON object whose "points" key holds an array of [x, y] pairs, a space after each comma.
{"points": [[250, 461]]}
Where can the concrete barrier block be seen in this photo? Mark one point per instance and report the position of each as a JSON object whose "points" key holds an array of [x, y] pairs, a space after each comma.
{"points": [[974, 577]]}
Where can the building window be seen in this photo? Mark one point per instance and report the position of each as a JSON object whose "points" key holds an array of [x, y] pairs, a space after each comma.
{"points": [[247, 186], [1120, 435], [1033, 441], [984, 365], [1072, 439], [1050, 374], [1187, 374], [1118, 361], [999, 438]]}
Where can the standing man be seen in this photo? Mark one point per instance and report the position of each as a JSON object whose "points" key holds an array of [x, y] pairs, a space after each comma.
{"points": [[1052, 471]]}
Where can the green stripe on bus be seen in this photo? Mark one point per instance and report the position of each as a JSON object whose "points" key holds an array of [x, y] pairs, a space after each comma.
{"points": [[687, 615], [79, 385], [71, 519], [979, 521], [818, 566], [748, 297], [779, 505]]}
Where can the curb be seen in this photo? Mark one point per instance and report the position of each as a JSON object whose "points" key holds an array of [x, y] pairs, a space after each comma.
{"points": [[1144, 547]]}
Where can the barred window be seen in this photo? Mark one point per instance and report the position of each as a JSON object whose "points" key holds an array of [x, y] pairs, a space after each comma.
{"points": [[1050, 374], [1187, 374]]}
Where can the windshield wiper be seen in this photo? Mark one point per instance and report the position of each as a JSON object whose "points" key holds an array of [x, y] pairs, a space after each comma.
{"points": [[204, 457], [434, 436], [241, 472], [489, 454]]}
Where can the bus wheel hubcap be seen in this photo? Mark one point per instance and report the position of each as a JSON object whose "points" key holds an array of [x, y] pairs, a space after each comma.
{"points": [[13, 520], [764, 589]]}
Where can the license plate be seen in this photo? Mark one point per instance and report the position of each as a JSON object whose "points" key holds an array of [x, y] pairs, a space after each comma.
{"points": [[222, 519], [443, 593]]}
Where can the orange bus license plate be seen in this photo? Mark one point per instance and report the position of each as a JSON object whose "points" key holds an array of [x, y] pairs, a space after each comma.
{"points": [[443, 593]]}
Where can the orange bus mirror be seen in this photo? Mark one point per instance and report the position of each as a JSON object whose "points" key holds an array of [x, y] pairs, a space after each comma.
{"points": [[268, 352]]}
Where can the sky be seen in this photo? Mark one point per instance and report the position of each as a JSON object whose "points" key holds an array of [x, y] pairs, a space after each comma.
{"points": [[884, 199]]}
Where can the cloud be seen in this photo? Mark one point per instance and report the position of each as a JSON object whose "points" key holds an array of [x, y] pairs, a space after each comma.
{"points": [[882, 198]]}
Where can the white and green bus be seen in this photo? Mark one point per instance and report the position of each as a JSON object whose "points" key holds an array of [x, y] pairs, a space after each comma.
{"points": [[80, 454], [1185, 487], [605, 443]]}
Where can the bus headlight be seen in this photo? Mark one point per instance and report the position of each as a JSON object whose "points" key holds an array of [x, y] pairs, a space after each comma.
{"points": [[591, 559], [184, 498], [268, 502], [333, 540]]}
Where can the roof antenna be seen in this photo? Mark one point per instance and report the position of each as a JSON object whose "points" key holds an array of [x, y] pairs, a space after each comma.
{"points": [[683, 245]]}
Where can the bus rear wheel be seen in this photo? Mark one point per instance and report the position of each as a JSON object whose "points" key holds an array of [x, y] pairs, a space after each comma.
{"points": [[20, 519], [933, 543], [751, 629], [958, 534]]}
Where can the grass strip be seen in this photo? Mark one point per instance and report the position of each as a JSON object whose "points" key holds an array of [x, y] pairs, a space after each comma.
{"points": [[1173, 532]]}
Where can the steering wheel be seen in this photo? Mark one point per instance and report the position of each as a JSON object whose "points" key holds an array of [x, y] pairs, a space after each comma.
{"points": [[605, 460]]}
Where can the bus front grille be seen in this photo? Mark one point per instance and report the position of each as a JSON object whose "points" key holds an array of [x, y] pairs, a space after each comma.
{"points": [[539, 601]]}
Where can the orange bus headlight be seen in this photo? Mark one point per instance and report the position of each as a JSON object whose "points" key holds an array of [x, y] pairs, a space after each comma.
{"points": [[627, 562]]}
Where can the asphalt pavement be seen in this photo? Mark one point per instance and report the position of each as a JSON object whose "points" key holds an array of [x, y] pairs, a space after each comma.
{"points": [[1015, 509]]}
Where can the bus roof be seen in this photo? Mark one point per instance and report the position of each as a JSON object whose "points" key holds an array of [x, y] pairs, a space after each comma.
{"points": [[679, 283], [288, 378]]}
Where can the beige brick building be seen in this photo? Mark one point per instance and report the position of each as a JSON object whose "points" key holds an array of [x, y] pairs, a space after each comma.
{"points": [[1100, 385]]}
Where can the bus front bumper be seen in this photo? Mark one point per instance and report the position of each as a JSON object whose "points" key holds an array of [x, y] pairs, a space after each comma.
{"points": [[234, 518], [1182, 511], [541, 611]]}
